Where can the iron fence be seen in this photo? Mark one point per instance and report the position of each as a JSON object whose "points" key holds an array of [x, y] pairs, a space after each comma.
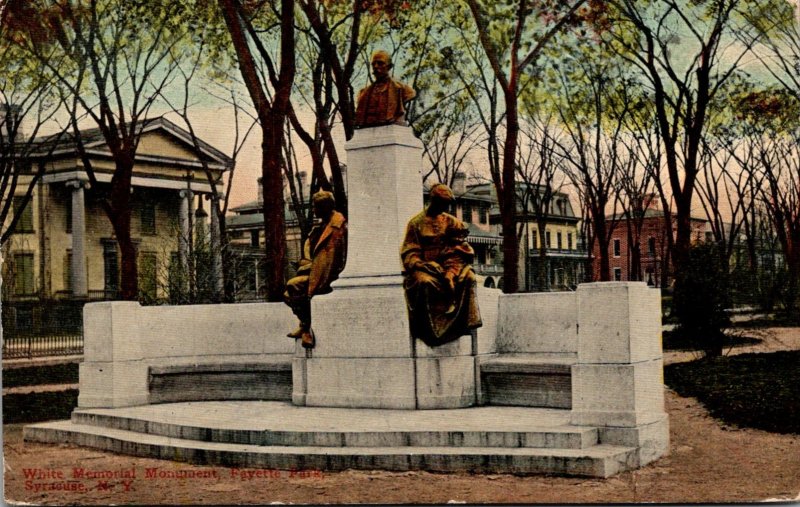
{"points": [[42, 328], [30, 345]]}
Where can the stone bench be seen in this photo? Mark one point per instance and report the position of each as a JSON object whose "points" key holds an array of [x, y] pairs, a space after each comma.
{"points": [[266, 380], [528, 380]]}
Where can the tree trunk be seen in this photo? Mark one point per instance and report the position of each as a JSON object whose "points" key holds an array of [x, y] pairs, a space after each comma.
{"points": [[683, 236], [509, 204], [274, 232], [601, 236], [541, 272], [119, 213]]}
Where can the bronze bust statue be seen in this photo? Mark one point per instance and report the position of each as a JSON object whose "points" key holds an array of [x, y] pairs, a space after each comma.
{"points": [[440, 285], [382, 102]]}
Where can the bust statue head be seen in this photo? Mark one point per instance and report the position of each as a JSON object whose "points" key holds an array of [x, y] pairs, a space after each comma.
{"points": [[324, 204], [440, 198], [381, 64]]}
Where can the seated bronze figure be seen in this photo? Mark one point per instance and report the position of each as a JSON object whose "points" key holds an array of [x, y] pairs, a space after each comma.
{"points": [[440, 285], [324, 254]]}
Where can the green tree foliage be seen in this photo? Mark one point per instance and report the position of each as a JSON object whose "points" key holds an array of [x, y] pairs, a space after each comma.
{"points": [[28, 101], [111, 60], [513, 35]]}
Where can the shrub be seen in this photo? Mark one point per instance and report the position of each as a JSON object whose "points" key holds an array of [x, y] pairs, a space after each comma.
{"points": [[702, 289]]}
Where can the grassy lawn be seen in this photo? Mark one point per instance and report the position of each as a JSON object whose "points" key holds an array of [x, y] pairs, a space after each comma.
{"points": [[39, 375], [676, 340], [33, 407], [759, 391]]}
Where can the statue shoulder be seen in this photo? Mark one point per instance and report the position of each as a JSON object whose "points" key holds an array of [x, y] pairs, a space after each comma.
{"points": [[453, 221], [362, 92], [407, 92], [417, 219], [338, 220]]}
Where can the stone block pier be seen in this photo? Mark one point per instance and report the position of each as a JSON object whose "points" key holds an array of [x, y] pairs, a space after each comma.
{"points": [[566, 383]]}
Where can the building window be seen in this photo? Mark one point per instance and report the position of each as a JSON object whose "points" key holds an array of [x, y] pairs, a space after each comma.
{"points": [[466, 212], [248, 275], [110, 270], [547, 239], [175, 277], [558, 241], [68, 214], [617, 274], [651, 247], [147, 276], [617, 248], [148, 217], [254, 238], [480, 254], [534, 239], [569, 241], [25, 222], [23, 274], [68, 271], [483, 214]]}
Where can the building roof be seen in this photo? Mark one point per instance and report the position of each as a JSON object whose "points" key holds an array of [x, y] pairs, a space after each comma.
{"points": [[64, 143], [478, 235], [256, 217], [244, 221], [650, 213], [248, 206]]}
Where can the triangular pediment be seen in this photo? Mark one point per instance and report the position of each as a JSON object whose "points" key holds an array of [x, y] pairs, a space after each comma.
{"points": [[160, 143], [159, 138]]}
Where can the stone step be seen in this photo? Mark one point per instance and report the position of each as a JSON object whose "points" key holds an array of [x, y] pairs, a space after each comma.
{"points": [[596, 461], [566, 437]]}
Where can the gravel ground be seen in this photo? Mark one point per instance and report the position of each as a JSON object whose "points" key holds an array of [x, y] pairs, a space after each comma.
{"points": [[708, 463]]}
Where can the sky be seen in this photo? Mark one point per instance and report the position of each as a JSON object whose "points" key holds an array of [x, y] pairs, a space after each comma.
{"points": [[214, 123]]}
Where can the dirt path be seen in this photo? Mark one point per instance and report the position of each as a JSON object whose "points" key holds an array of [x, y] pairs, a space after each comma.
{"points": [[772, 339]]}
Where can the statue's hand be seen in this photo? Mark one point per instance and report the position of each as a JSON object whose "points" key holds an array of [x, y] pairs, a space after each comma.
{"points": [[433, 268]]}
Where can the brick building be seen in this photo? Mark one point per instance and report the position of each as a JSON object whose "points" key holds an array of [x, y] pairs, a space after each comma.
{"points": [[649, 244]]}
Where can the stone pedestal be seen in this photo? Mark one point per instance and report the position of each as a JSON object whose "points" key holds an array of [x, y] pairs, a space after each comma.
{"points": [[365, 356], [618, 381]]}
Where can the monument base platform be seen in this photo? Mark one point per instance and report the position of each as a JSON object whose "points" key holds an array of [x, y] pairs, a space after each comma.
{"points": [[278, 435], [369, 360]]}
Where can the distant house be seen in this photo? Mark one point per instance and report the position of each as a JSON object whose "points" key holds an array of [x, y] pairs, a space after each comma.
{"points": [[651, 247], [246, 235], [476, 204], [564, 257], [64, 216], [473, 206]]}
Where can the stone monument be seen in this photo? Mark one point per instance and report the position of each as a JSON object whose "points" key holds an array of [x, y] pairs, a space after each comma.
{"points": [[371, 359], [567, 383]]}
